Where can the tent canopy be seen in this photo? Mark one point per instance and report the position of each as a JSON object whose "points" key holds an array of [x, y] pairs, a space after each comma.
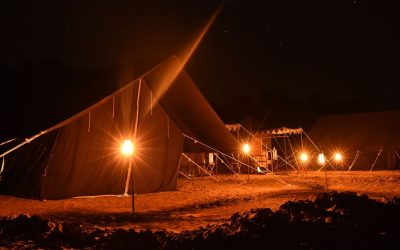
{"points": [[369, 140], [81, 155], [360, 131]]}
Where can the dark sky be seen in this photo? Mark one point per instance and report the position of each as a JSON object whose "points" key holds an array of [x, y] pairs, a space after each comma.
{"points": [[275, 63]]}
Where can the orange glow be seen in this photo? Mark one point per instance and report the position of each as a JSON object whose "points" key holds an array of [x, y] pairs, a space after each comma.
{"points": [[338, 157], [127, 148], [246, 148], [321, 158], [303, 157], [183, 57]]}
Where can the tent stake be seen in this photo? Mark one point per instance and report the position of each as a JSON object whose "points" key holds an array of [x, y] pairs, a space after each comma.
{"points": [[185, 175]]}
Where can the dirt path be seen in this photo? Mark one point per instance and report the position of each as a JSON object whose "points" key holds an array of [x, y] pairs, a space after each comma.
{"points": [[203, 201]]}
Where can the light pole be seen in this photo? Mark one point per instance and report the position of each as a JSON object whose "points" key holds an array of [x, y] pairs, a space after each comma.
{"points": [[127, 150], [246, 151]]}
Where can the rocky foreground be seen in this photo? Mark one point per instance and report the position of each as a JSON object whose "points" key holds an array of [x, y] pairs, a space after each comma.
{"points": [[331, 221]]}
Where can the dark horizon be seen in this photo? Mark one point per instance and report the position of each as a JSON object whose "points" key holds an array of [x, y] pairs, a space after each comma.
{"points": [[276, 63]]}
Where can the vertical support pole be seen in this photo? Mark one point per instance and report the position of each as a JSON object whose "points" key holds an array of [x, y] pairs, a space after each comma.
{"points": [[137, 109], [133, 187], [113, 107], [90, 114], [151, 103], [128, 179]]}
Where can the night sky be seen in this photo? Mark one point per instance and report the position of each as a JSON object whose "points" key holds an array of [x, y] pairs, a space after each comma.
{"points": [[262, 63]]}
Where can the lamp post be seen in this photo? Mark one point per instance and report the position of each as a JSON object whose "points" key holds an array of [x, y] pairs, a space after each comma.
{"points": [[127, 150]]}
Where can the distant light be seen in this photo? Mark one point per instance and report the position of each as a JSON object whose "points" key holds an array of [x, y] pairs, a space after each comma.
{"points": [[321, 158], [338, 157], [303, 157], [127, 148], [246, 148]]}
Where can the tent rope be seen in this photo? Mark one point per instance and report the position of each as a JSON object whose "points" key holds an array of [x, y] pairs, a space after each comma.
{"points": [[137, 109], [354, 160], [27, 140], [291, 148], [6, 142], [312, 142], [233, 158], [376, 159], [200, 167], [397, 153], [223, 162], [2, 166], [185, 175]]}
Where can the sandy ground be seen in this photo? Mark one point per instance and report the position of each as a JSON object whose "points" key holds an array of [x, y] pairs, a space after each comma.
{"points": [[203, 200]]}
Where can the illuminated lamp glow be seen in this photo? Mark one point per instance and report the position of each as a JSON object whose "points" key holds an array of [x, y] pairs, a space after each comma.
{"points": [[338, 157], [303, 157], [246, 148], [321, 158], [127, 148]]}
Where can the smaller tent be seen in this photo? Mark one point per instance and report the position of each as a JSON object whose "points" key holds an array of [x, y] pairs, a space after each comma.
{"points": [[367, 140]]}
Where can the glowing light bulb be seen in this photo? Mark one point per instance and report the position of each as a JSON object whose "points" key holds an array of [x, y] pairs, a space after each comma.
{"points": [[303, 157], [246, 148], [127, 148], [338, 157], [321, 159]]}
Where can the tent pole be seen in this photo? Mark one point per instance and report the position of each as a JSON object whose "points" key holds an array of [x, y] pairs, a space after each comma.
{"points": [[376, 159], [130, 179], [133, 188], [128, 176]]}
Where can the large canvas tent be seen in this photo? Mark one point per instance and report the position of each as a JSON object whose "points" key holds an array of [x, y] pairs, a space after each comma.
{"points": [[368, 140], [162, 111]]}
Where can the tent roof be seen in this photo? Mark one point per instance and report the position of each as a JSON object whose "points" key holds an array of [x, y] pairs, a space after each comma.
{"points": [[188, 108], [359, 131], [179, 96], [268, 132], [282, 131]]}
